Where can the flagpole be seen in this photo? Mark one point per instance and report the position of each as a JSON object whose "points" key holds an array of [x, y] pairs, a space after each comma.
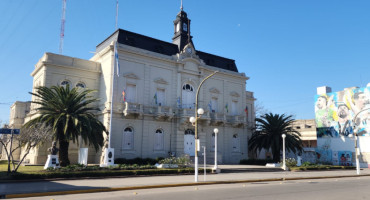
{"points": [[111, 100], [116, 14], [115, 65]]}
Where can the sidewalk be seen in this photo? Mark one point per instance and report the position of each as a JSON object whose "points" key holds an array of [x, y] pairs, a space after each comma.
{"points": [[229, 174]]}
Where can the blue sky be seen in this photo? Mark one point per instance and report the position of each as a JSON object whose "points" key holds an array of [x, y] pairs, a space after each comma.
{"points": [[286, 47]]}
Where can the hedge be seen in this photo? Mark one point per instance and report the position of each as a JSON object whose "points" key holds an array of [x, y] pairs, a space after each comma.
{"points": [[255, 161], [100, 173]]}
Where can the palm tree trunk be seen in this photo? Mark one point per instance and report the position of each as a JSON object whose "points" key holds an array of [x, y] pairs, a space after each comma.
{"points": [[63, 153], [276, 156]]}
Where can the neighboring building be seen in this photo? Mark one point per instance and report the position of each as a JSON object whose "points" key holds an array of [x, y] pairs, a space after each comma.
{"points": [[340, 116], [159, 80], [307, 129], [18, 113]]}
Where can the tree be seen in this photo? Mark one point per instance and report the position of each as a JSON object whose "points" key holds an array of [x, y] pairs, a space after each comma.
{"points": [[259, 109], [70, 114], [27, 139], [267, 135]]}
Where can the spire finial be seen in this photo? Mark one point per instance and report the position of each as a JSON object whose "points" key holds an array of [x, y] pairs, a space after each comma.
{"points": [[181, 6]]}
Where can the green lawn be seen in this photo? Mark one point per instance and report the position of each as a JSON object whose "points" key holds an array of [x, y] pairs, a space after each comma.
{"points": [[4, 167]]}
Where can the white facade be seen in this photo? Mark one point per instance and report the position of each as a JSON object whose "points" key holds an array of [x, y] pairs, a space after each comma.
{"points": [[152, 118]]}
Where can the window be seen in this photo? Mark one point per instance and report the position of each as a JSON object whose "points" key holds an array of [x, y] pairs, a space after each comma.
{"points": [[158, 139], [214, 104], [160, 97], [185, 27], [65, 83], [236, 143], [80, 85], [130, 93], [188, 96], [234, 106], [128, 138]]}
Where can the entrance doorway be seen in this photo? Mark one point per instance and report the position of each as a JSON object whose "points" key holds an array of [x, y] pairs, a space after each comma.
{"points": [[189, 142]]}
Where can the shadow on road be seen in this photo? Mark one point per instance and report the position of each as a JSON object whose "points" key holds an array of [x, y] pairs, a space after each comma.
{"points": [[38, 187]]}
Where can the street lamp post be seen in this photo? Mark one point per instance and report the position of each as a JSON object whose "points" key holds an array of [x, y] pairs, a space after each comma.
{"points": [[215, 167], [284, 164], [194, 121]]}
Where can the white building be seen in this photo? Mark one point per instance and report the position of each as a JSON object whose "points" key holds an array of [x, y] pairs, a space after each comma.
{"points": [[160, 80]]}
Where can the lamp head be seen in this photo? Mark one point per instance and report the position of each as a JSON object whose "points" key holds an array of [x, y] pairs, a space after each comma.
{"points": [[200, 111], [283, 136], [215, 130], [192, 120]]}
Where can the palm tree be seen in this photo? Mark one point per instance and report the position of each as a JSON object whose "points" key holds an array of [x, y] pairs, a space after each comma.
{"points": [[267, 135], [70, 115]]}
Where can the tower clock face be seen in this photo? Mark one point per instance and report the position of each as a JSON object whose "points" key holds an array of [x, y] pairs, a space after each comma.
{"points": [[189, 50], [184, 27]]}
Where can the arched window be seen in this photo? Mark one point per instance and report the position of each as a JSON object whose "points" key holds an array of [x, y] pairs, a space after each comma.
{"points": [[158, 139], [189, 132], [188, 96], [236, 143], [128, 138], [65, 83], [213, 142], [80, 85]]}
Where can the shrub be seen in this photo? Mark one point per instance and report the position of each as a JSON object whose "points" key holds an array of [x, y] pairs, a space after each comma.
{"points": [[306, 164], [290, 162], [138, 161], [255, 161], [176, 160]]}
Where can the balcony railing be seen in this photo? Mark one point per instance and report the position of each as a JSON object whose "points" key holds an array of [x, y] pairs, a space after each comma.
{"points": [[217, 118], [132, 109], [164, 113]]}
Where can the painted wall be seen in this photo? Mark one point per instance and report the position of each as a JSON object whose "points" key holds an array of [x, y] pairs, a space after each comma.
{"points": [[335, 113], [338, 116]]}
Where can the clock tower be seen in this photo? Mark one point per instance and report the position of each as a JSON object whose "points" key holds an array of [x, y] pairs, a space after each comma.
{"points": [[182, 30]]}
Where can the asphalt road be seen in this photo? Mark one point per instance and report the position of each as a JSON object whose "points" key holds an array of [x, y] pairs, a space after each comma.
{"points": [[357, 188]]}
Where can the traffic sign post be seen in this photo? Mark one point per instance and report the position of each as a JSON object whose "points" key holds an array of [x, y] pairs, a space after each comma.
{"points": [[9, 131]]}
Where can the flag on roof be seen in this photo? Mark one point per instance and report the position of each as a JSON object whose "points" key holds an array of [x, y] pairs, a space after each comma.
{"points": [[116, 59]]}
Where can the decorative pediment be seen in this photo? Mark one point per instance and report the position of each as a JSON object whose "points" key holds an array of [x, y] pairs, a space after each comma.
{"points": [[234, 94], [161, 81], [214, 90], [131, 75]]}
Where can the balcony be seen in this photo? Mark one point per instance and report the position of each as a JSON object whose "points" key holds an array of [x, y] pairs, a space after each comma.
{"points": [[164, 113], [236, 120], [132, 110], [217, 118], [185, 114]]}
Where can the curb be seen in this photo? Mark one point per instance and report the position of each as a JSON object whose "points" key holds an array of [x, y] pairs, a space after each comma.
{"points": [[10, 196]]}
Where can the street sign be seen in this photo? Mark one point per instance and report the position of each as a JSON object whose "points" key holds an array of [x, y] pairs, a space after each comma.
{"points": [[9, 131]]}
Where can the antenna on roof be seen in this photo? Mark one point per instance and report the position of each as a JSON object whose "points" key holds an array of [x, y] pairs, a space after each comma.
{"points": [[62, 27], [181, 6], [116, 14]]}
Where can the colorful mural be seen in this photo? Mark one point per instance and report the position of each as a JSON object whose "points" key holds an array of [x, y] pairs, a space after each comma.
{"points": [[345, 158], [335, 113]]}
